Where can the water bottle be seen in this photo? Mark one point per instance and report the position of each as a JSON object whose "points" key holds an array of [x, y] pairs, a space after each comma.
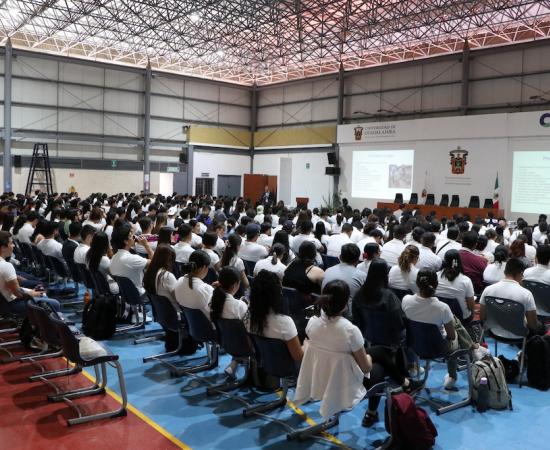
{"points": [[482, 395]]}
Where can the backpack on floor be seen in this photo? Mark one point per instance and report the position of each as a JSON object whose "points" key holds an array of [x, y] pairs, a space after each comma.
{"points": [[99, 317], [411, 427], [537, 353], [491, 368], [511, 368]]}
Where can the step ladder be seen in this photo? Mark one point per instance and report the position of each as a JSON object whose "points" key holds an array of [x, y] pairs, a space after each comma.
{"points": [[40, 175]]}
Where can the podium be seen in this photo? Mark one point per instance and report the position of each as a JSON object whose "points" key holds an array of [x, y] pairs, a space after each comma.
{"points": [[302, 201]]}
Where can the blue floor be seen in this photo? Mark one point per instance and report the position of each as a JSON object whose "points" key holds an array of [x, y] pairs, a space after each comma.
{"points": [[181, 406]]}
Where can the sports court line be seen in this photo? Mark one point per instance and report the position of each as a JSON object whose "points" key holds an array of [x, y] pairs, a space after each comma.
{"points": [[142, 416]]}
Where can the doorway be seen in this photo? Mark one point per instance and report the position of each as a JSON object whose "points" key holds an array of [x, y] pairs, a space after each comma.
{"points": [[229, 186], [180, 183], [204, 186]]}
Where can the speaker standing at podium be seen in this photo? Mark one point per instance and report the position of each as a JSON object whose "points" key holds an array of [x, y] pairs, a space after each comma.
{"points": [[267, 197]]}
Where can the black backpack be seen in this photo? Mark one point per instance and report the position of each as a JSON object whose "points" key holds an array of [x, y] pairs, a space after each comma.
{"points": [[99, 317], [537, 353]]}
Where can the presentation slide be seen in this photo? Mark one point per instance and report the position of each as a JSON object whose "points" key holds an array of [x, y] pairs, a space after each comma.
{"points": [[531, 182], [380, 174]]}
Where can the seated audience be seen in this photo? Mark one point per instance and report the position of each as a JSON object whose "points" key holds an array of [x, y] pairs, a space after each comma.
{"points": [[302, 274], [190, 291], [472, 264], [250, 250], [540, 272], [97, 259], [494, 272], [392, 249], [273, 262], [427, 259], [403, 276], [183, 247]]}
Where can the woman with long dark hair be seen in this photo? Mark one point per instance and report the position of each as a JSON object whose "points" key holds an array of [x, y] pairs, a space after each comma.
{"points": [[403, 276], [159, 278], [265, 313], [273, 262], [302, 274], [97, 258], [281, 237], [494, 272], [230, 258]]}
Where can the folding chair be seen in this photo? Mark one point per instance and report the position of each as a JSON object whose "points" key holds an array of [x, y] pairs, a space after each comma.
{"points": [[211, 276], [71, 351], [131, 296], [249, 267], [506, 317], [400, 293], [294, 305], [444, 200], [329, 261], [428, 344], [379, 328], [235, 341], [455, 201], [541, 294]]}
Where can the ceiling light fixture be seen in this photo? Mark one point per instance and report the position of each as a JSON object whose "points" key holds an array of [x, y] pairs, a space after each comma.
{"points": [[194, 17]]}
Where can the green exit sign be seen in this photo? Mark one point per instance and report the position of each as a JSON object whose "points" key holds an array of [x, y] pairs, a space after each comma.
{"points": [[307, 165], [114, 163]]}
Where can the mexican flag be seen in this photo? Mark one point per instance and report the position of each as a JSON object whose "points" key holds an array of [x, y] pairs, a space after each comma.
{"points": [[495, 194]]}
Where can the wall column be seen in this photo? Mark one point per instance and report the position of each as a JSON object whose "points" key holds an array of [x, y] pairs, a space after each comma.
{"points": [[147, 131], [8, 187], [253, 122], [339, 121], [465, 87], [190, 158]]}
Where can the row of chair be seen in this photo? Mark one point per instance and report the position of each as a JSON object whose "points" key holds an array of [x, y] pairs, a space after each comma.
{"points": [[454, 203]]}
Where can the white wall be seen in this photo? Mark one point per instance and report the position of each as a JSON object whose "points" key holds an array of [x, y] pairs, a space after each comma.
{"points": [[215, 164], [305, 182], [489, 139]]}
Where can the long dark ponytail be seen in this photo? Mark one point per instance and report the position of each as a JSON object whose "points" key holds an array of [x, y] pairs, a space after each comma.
{"points": [[226, 279]]}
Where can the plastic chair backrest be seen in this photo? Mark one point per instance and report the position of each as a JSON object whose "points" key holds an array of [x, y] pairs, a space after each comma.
{"points": [[426, 340], [59, 267], [26, 249], [398, 198], [400, 293], [444, 200], [43, 322], [541, 294], [100, 283], [4, 307], [454, 305], [200, 327], [380, 328], [329, 261], [488, 203], [75, 271], [249, 267], [274, 356], [41, 258], [430, 199], [68, 341], [414, 199], [474, 201], [86, 276], [506, 314], [211, 276], [234, 338], [165, 313], [128, 291], [293, 303]]}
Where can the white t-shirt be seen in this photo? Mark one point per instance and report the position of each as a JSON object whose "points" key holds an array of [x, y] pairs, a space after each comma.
{"points": [[397, 279], [237, 263], [427, 310], [183, 251], [265, 264], [251, 251], [7, 273], [25, 233], [538, 273], [335, 334], [511, 290], [494, 272], [460, 288], [214, 257], [165, 284], [125, 264], [234, 308], [335, 244], [278, 326], [197, 298], [365, 265], [428, 259], [80, 253], [50, 247], [297, 241], [265, 240], [391, 251], [444, 245]]}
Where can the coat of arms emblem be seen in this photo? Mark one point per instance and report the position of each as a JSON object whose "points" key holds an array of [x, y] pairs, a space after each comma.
{"points": [[458, 160], [358, 131]]}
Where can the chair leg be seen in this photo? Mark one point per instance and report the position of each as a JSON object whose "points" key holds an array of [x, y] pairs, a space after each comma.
{"points": [[305, 433], [120, 412], [522, 361], [264, 407], [231, 385], [210, 363], [97, 388], [468, 400], [55, 373]]}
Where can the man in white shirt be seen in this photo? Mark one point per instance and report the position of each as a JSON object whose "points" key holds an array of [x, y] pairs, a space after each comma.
{"points": [[306, 228], [49, 246], [448, 243], [509, 288], [375, 237], [428, 259], [540, 272], [337, 241], [126, 264], [265, 238], [86, 236], [250, 250], [392, 250], [26, 231]]}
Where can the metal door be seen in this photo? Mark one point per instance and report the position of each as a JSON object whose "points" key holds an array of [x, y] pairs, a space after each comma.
{"points": [[204, 186], [229, 185], [180, 183]]}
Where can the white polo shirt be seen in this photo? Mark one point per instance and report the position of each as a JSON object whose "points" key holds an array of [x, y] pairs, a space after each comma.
{"points": [[251, 251], [50, 247], [25, 233], [427, 310], [444, 245], [214, 257], [265, 264], [336, 334], [460, 288], [511, 290], [277, 326], [538, 273], [197, 298], [234, 308], [7, 273], [428, 259], [397, 279], [183, 251], [125, 264], [80, 253], [391, 251], [335, 244]]}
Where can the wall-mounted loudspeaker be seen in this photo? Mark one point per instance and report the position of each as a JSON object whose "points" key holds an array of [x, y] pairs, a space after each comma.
{"points": [[17, 161], [332, 158], [332, 170], [183, 156]]}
